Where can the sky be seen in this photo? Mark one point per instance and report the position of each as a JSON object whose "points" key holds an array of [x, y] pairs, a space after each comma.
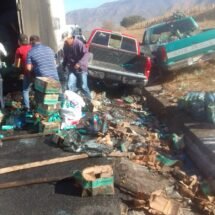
{"points": [[79, 4]]}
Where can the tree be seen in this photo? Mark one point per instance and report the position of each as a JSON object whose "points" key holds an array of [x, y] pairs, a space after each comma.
{"points": [[131, 20]]}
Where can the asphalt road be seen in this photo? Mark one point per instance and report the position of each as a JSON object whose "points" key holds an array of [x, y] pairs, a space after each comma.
{"points": [[61, 198], [55, 199]]}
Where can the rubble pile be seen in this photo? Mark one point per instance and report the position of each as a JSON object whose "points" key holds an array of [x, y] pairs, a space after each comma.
{"points": [[157, 176], [134, 129]]}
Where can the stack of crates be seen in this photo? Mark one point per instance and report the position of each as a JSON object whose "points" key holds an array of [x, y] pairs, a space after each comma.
{"points": [[47, 100]]}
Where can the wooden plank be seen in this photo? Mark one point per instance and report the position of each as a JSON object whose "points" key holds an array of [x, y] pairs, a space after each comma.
{"points": [[42, 163], [56, 161], [14, 184], [24, 136]]}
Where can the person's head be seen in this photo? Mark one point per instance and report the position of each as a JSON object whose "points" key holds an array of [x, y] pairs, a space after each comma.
{"points": [[69, 40], [23, 39], [34, 39]]}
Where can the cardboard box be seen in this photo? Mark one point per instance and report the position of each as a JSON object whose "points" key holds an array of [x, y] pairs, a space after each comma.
{"points": [[49, 127], [46, 99], [159, 202], [47, 85], [97, 180], [47, 110]]}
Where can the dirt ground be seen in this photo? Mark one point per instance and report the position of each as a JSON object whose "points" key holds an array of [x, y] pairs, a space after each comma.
{"points": [[198, 78]]}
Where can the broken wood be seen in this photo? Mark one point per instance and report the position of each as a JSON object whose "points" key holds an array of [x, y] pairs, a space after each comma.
{"points": [[160, 203], [122, 154], [154, 88], [92, 173], [24, 136], [137, 180]]}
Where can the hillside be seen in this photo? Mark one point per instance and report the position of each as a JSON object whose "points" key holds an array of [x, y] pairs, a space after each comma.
{"points": [[205, 16], [115, 11]]}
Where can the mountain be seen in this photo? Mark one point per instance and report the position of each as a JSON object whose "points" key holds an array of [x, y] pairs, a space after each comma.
{"points": [[114, 12]]}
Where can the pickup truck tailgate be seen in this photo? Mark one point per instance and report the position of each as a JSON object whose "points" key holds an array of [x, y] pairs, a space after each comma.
{"points": [[114, 59]]}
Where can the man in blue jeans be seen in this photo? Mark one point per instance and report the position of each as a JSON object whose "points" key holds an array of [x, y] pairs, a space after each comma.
{"points": [[76, 60]]}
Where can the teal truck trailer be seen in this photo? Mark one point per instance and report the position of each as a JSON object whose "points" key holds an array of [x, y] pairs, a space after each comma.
{"points": [[178, 43]]}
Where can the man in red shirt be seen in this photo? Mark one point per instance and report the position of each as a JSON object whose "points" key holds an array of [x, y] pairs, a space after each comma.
{"points": [[20, 62]]}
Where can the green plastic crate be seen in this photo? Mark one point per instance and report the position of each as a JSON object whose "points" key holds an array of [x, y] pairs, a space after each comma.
{"points": [[48, 110], [47, 85], [46, 99]]}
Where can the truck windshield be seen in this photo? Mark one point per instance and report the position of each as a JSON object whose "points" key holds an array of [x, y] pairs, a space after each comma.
{"points": [[173, 31]]}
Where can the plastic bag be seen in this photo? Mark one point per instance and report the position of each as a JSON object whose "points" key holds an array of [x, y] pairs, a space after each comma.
{"points": [[72, 142], [71, 110], [194, 104]]}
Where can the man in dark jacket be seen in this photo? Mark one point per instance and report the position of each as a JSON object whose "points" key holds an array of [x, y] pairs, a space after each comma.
{"points": [[76, 60]]}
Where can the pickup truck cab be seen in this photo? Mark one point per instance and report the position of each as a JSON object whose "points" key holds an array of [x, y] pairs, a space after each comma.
{"points": [[116, 58], [178, 43]]}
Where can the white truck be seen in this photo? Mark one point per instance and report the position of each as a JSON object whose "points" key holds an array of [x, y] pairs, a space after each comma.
{"points": [[45, 18]]}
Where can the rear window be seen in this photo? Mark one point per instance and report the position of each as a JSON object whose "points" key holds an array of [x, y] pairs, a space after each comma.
{"points": [[179, 28], [101, 38], [116, 41], [183, 26], [129, 44]]}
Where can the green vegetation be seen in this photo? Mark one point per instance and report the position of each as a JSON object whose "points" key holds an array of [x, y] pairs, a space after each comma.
{"points": [[131, 20]]}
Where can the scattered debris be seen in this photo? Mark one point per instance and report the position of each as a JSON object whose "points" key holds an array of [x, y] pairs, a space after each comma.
{"points": [[160, 203], [151, 179]]}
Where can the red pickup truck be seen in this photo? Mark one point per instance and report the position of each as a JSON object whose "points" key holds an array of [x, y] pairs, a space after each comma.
{"points": [[116, 58]]}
